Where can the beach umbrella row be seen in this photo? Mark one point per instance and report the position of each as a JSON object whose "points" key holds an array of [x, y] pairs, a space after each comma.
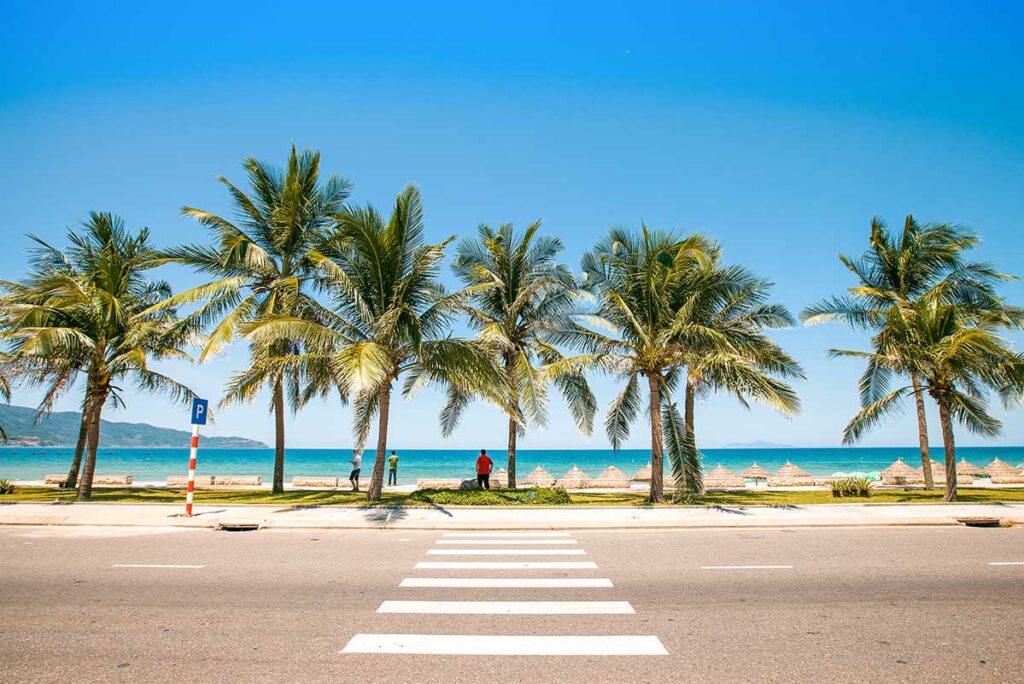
{"points": [[613, 477]]}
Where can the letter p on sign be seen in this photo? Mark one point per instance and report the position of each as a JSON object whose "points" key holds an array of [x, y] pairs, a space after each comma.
{"points": [[199, 411]]}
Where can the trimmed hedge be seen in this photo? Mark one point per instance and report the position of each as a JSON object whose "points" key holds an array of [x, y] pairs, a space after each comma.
{"points": [[540, 496]]}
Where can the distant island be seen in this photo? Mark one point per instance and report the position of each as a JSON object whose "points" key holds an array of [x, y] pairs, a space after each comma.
{"points": [[60, 429], [758, 445]]}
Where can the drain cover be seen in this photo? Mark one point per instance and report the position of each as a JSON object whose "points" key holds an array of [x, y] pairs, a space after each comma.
{"points": [[980, 521], [239, 525]]}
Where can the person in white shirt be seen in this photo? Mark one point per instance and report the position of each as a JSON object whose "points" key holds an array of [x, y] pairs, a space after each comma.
{"points": [[357, 462]]}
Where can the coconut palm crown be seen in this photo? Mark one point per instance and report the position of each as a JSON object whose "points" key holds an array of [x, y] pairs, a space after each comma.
{"points": [[91, 310], [897, 270], [640, 332], [262, 266], [737, 357], [961, 359], [521, 297], [390, 318]]}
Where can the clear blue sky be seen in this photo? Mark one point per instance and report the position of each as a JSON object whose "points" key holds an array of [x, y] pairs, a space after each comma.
{"points": [[779, 129]]}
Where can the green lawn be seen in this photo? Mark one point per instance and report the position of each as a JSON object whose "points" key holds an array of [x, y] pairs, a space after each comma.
{"points": [[497, 497]]}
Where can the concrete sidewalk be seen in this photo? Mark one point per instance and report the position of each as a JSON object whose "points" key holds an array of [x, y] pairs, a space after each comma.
{"points": [[493, 517]]}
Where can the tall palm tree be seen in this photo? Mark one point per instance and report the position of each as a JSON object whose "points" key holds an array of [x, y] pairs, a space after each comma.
{"points": [[961, 359], [737, 357], [521, 296], [639, 283], [894, 273], [91, 310], [262, 267], [390, 317]]}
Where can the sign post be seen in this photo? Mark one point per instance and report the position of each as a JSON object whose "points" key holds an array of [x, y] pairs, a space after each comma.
{"points": [[200, 407]]}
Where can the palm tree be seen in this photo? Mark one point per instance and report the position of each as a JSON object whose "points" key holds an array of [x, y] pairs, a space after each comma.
{"points": [[521, 297], [961, 359], [894, 273], [639, 283], [263, 267], [90, 310], [390, 318], [737, 357]]}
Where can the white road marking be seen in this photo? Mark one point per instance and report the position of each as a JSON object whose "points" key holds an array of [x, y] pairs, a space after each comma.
{"points": [[147, 565], [490, 644], [506, 552], [506, 541], [509, 582], [508, 535], [746, 567], [511, 565], [1008, 563], [508, 607]]}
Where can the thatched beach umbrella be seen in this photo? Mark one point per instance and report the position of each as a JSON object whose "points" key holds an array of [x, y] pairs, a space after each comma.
{"points": [[573, 479], [938, 471], [965, 467], [499, 478], [899, 473], [540, 478], [999, 468], [612, 477], [720, 473], [755, 473], [643, 475], [791, 472]]}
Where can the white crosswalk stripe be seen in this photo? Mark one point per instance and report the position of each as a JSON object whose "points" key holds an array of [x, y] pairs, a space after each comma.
{"points": [[491, 644], [509, 582], [508, 607], [506, 565], [507, 544], [503, 541], [506, 552], [506, 535]]}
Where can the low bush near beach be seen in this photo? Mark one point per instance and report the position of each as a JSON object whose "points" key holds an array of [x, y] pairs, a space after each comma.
{"points": [[6, 487], [540, 496], [852, 487]]}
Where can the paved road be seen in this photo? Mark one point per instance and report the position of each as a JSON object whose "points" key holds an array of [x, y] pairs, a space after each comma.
{"points": [[895, 604]]}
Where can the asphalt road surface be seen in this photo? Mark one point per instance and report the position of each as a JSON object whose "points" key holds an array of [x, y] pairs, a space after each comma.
{"points": [[886, 604]]}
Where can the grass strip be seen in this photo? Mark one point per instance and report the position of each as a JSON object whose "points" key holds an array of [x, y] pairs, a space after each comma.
{"points": [[498, 497]]}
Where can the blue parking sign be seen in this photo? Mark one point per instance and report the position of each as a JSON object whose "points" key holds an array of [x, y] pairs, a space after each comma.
{"points": [[199, 410]]}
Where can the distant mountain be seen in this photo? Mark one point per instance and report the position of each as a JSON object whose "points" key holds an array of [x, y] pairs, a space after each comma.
{"points": [[759, 445], [61, 429]]}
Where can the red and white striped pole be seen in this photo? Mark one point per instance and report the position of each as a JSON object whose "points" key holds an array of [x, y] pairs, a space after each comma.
{"points": [[199, 410], [192, 470]]}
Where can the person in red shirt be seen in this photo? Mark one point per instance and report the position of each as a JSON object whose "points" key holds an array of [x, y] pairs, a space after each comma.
{"points": [[483, 470]]}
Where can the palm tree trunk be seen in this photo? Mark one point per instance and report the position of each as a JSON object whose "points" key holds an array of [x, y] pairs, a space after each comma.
{"points": [[278, 487], [513, 428], [513, 434], [657, 468], [688, 402], [85, 485], [949, 444], [922, 433], [383, 409], [71, 481]]}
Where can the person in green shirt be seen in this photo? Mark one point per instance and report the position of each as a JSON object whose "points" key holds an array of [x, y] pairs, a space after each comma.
{"points": [[393, 469]]}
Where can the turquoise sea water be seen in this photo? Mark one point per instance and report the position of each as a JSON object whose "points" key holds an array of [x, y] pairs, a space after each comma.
{"points": [[28, 463]]}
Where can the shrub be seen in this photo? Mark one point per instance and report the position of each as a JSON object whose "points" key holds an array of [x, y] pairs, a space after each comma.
{"points": [[851, 487], [540, 496], [6, 487]]}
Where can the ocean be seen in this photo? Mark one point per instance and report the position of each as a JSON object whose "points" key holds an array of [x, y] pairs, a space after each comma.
{"points": [[154, 465]]}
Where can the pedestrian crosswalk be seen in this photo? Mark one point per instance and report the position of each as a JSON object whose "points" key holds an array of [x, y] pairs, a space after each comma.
{"points": [[437, 612]]}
